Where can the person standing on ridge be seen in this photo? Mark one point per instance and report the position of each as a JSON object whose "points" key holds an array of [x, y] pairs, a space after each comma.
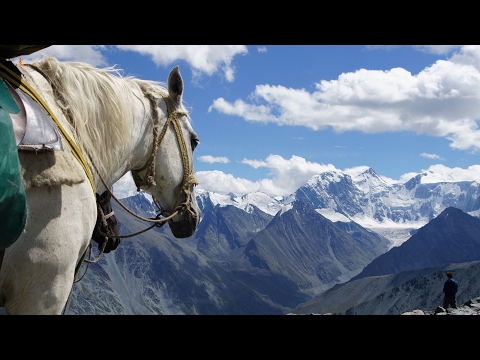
{"points": [[450, 288]]}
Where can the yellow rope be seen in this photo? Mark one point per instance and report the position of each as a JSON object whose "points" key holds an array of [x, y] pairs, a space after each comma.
{"points": [[188, 176], [24, 86]]}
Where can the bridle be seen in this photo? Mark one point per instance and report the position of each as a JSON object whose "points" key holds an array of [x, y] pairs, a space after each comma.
{"points": [[188, 176]]}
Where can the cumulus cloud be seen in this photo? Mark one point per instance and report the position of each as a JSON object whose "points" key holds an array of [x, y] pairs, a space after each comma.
{"points": [[213, 159], [285, 176], [91, 54], [221, 183], [240, 108], [203, 59], [441, 100]]}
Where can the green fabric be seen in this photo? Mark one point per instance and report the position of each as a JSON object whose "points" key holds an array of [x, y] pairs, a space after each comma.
{"points": [[7, 102], [13, 204]]}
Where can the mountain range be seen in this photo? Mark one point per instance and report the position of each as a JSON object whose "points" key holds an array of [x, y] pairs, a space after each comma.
{"points": [[257, 254], [411, 276], [395, 211]]}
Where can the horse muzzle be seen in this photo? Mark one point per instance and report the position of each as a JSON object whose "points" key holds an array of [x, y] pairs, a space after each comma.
{"points": [[185, 227], [185, 223]]}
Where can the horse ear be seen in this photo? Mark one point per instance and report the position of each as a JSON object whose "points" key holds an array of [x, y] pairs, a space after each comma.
{"points": [[175, 85]]}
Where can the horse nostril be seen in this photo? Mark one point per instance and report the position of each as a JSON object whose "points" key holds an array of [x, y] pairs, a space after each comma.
{"points": [[184, 228]]}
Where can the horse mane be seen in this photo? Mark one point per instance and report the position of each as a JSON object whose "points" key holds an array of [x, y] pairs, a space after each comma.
{"points": [[99, 104]]}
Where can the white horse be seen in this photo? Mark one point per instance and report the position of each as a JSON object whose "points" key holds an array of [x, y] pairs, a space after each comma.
{"points": [[115, 124]]}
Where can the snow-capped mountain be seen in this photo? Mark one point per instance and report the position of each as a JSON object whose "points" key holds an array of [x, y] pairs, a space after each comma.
{"points": [[266, 203], [395, 211], [388, 208]]}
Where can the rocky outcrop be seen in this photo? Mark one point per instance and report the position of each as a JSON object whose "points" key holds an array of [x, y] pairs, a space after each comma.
{"points": [[471, 307]]}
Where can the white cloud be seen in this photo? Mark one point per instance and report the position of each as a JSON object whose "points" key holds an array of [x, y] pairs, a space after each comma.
{"points": [[437, 49], [430, 156], [240, 108], [285, 176], [213, 159], [442, 100], [204, 59], [262, 49], [219, 182], [356, 170], [125, 187], [91, 54]]}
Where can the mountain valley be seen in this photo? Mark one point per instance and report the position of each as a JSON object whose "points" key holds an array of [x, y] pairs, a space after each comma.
{"points": [[256, 254]]}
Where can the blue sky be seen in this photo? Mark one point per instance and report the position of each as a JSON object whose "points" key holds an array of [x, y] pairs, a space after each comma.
{"points": [[269, 117]]}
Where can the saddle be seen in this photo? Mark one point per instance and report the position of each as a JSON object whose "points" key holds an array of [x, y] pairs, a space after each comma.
{"points": [[33, 127]]}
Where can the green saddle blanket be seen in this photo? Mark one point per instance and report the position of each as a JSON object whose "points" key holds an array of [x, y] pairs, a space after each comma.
{"points": [[13, 204]]}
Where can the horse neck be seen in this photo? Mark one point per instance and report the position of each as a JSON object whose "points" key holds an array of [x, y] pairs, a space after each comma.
{"points": [[131, 154], [138, 150]]}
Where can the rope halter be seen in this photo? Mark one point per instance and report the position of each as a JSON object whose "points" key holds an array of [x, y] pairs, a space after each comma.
{"points": [[188, 175]]}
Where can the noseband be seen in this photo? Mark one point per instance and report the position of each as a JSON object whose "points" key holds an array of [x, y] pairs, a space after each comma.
{"points": [[188, 176]]}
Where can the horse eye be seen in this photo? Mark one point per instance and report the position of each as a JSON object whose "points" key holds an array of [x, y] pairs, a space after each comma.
{"points": [[194, 142]]}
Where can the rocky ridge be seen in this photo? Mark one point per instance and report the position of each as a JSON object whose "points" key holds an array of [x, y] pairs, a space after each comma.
{"points": [[470, 307]]}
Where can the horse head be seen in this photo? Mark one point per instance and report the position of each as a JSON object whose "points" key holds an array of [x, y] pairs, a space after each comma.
{"points": [[171, 180]]}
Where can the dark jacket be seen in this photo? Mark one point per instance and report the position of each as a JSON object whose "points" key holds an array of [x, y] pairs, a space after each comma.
{"points": [[450, 288]]}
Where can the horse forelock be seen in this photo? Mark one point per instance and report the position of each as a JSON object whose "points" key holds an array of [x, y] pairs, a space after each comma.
{"points": [[101, 105]]}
